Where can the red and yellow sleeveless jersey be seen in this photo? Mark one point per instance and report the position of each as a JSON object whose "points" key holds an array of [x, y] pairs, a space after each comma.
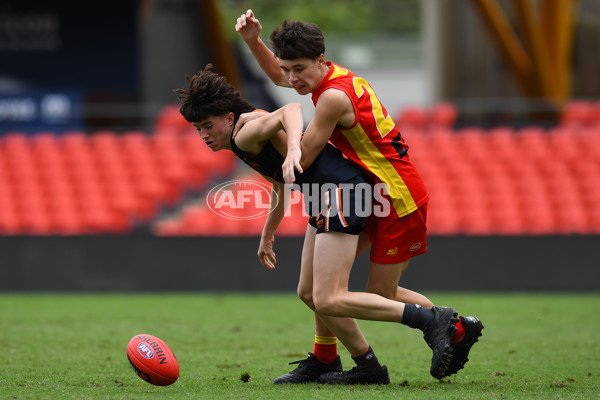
{"points": [[374, 142]]}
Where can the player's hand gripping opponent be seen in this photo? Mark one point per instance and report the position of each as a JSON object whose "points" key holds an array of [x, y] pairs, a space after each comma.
{"points": [[244, 119], [291, 164]]}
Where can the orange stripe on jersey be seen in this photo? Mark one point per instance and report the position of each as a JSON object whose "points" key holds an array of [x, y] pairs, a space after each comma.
{"points": [[326, 194], [340, 207]]}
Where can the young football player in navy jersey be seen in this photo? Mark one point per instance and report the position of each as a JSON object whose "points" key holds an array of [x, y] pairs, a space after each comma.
{"points": [[349, 114], [212, 106]]}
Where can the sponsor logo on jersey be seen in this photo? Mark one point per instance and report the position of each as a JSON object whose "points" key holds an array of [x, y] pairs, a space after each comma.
{"points": [[392, 252], [320, 222], [416, 246]]}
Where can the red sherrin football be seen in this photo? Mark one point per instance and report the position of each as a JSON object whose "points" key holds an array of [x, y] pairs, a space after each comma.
{"points": [[152, 360]]}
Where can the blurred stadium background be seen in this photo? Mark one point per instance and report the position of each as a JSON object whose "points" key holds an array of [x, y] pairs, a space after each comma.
{"points": [[102, 182]]}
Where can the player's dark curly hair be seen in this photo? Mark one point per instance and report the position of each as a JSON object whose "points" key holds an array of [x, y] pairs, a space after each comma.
{"points": [[209, 95], [297, 39]]}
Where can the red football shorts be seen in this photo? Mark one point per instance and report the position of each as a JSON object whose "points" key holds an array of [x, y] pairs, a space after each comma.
{"points": [[397, 240]]}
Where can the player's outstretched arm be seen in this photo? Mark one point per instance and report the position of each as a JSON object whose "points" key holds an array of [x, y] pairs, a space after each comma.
{"points": [[265, 253], [249, 28]]}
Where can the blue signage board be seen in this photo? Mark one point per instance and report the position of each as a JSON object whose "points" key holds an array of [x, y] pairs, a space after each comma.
{"points": [[31, 112]]}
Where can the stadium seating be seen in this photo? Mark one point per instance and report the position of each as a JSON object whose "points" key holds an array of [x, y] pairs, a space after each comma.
{"points": [[499, 181], [170, 121], [99, 183], [580, 113], [512, 181]]}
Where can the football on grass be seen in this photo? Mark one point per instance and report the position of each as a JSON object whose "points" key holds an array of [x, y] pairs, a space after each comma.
{"points": [[152, 360]]}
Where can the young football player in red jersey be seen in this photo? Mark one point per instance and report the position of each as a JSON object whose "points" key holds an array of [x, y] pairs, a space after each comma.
{"points": [[348, 113]]}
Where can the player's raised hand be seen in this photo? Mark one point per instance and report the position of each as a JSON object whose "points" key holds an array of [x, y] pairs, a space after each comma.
{"points": [[248, 26]]}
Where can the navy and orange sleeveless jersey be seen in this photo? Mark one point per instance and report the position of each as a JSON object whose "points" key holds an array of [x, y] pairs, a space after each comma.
{"points": [[374, 142], [330, 166]]}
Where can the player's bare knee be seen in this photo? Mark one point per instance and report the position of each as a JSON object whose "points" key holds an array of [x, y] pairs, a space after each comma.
{"points": [[306, 296], [325, 305]]}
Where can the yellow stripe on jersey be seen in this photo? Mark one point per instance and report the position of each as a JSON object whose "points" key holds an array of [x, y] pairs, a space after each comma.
{"points": [[376, 162], [339, 71]]}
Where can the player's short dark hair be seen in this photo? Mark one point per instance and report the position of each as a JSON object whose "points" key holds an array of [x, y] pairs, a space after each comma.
{"points": [[297, 39], [209, 95]]}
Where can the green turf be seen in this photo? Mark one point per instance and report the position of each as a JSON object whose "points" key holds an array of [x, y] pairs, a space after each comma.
{"points": [[72, 346]]}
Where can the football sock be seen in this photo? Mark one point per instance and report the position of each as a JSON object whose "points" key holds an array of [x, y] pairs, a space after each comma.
{"points": [[459, 335], [360, 352], [325, 349], [365, 357], [416, 316]]}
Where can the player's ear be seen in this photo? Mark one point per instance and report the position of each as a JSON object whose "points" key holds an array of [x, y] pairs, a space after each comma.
{"points": [[230, 117]]}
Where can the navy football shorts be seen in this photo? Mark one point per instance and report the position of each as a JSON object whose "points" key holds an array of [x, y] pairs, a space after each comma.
{"points": [[339, 208]]}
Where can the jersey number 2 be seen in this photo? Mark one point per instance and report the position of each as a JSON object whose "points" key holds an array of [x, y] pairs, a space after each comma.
{"points": [[384, 124]]}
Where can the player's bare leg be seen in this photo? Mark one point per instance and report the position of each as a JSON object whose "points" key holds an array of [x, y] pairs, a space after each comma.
{"points": [[327, 329], [383, 279], [331, 271]]}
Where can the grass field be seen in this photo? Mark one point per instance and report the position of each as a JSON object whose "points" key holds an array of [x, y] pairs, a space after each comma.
{"points": [[72, 346]]}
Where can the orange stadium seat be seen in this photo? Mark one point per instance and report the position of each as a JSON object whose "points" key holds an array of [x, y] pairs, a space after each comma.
{"points": [[580, 112], [171, 166], [170, 118], [15, 141], [473, 144], [9, 222], [204, 162], [295, 221], [502, 140], [412, 116], [168, 227], [443, 115], [198, 220], [104, 140], [443, 212]]}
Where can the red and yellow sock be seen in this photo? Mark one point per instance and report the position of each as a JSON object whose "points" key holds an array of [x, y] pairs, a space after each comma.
{"points": [[325, 349]]}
